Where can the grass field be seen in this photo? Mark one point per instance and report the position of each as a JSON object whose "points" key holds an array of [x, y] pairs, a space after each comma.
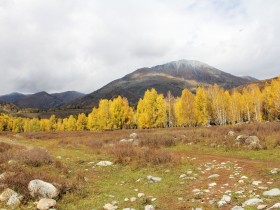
{"points": [[183, 157]]}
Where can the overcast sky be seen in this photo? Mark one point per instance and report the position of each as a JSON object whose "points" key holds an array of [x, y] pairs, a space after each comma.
{"points": [[59, 45]]}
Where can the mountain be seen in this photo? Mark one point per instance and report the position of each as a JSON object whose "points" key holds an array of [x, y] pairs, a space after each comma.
{"points": [[41, 100], [68, 96], [13, 97], [252, 79], [173, 76], [260, 83], [7, 107]]}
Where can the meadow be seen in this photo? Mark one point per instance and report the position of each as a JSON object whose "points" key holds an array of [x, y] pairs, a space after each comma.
{"points": [[170, 168]]}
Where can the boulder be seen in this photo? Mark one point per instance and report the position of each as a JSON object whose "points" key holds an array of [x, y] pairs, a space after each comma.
{"points": [[153, 179], [6, 194], [237, 208], [15, 200], [149, 207], [104, 163], [252, 139], [109, 206], [133, 136], [241, 138], [275, 171], [46, 203], [272, 192], [42, 189], [275, 206], [252, 202], [254, 146]]}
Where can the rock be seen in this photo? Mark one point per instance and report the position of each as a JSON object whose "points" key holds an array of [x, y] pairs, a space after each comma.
{"points": [[109, 206], [153, 178], [256, 183], [254, 146], [213, 176], [275, 171], [225, 200], [14, 200], [237, 208], [241, 138], [42, 189], [212, 184], [231, 133], [104, 163], [6, 194], [46, 203], [141, 195], [128, 209], [133, 136], [182, 176], [221, 203], [133, 199], [252, 202], [252, 139], [275, 206], [260, 207], [126, 141], [272, 192], [149, 207]]}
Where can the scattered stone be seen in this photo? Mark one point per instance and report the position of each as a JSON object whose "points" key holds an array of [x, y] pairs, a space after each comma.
{"points": [[260, 207], [46, 203], [231, 133], [109, 206], [275, 171], [182, 176], [213, 176], [254, 146], [244, 177], [241, 138], [237, 208], [252, 202], [149, 207], [133, 136], [256, 183], [128, 209], [252, 139], [126, 199], [14, 200], [272, 192], [275, 206], [133, 199], [225, 200], [212, 184], [42, 189], [126, 141], [6, 194], [153, 178], [140, 195], [104, 163]]}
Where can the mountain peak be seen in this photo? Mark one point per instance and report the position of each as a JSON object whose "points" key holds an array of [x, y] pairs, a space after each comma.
{"points": [[188, 63]]}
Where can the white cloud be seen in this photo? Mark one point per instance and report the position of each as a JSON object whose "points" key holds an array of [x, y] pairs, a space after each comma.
{"points": [[58, 45]]}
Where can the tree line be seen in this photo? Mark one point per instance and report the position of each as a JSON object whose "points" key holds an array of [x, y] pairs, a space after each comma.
{"points": [[211, 105]]}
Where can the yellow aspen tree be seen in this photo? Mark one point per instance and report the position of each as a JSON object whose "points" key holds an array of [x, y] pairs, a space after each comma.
{"points": [[247, 100], [235, 107], [52, 123], [184, 109], [201, 109], [170, 109], [82, 122], [257, 100], [127, 114], [275, 97], [160, 110], [59, 124], [103, 119], [71, 124], [92, 120]]}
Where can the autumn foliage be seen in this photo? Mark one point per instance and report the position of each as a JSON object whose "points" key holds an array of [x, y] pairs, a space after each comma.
{"points": [[211, 105]]}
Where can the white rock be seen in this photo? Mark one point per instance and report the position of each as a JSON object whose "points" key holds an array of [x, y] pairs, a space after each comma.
{"points": [[275, 206], [226, 198], [153, 178], [14, 200], [256, 183], [260, 207], [237, 208], [149, 207], [221, 203], [126, 199], [6, 194], [133, 136], [275, 171], [128, 209], [104, 163], [42, 189], [182, 176], [244, 177], [213, 176], [140, 195], [252, 202], [46, 203], [272, 192], [109, 206], [133, 199], [212, 184]]}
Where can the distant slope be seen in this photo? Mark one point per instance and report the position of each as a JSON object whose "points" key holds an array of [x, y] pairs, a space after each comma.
{"points": [[68, 96], [260, 83], [252, 79], [8, 107], [41, 100], [13, 97], [173, 76]]}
